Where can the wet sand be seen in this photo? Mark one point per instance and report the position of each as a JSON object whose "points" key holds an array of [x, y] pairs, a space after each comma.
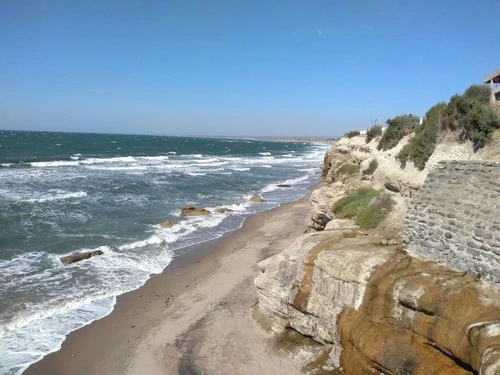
{"points": [[195, 316]]}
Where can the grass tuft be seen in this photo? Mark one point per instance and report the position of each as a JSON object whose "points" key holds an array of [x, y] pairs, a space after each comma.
{"points": [[367, 206]]}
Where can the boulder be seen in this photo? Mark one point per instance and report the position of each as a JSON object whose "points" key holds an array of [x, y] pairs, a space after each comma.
{"points": [[322, 200], [194, 211], [256, 199], [78, 256], [167, 224], [341, 224], [223, 210]]}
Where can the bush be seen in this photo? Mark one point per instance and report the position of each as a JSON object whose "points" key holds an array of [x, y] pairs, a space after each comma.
{"points": [[397, 128], [367, 206], [471, 115], [352, 134], [420, 148], [373, 132], [371, 167]]}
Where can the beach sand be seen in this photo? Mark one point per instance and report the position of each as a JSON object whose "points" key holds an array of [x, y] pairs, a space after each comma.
{"points": [[193, 318]]}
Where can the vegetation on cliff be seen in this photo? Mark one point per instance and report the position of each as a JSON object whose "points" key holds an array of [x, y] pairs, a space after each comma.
{"points": [[423, 144], [374, 132], [352, 134], [469, 116], [397, 128], [367, 206]]}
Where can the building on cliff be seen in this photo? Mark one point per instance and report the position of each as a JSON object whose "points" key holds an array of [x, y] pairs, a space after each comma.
{"points": [[493, 79]]}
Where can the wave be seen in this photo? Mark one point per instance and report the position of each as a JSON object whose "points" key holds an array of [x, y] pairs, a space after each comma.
{"points": [[265, 153], [241, 169], [57, 195]]}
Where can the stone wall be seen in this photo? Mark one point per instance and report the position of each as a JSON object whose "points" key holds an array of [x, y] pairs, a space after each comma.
{"points": [[455, 218]]}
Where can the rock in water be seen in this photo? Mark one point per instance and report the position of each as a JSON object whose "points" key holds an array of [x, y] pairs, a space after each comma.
{"points": [[284, 185], [194, 211], [167, 224], [77, 256], [256, 199], [223, 210]]}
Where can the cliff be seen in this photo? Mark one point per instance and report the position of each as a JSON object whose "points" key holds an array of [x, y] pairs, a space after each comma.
{"points": [[376, 304]]}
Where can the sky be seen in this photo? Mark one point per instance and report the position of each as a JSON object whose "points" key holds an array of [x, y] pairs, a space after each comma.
{"points": [[237, 68]]}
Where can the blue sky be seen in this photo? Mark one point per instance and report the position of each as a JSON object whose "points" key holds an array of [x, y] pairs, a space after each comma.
{"points": [[311, 68]]}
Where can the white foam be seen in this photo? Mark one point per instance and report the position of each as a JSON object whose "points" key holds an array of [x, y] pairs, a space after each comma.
{"points": [[58, 163], [154, 158], [265, 153], [268, 188], [241, 169], [57, 195], [294, 181]]}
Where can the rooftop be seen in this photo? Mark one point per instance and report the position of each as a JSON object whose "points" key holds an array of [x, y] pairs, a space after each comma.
{"points": [[494, 77]]}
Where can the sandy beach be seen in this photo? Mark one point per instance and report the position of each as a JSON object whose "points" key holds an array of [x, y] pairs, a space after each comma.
{"points": [[194, 317]]}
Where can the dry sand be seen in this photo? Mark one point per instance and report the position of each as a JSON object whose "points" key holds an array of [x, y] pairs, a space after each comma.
{"points": [[194, 318]]}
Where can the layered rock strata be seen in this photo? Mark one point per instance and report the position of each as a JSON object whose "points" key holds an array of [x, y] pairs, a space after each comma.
{"points": [[377, 310]]}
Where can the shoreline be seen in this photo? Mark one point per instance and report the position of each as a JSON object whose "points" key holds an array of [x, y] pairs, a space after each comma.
{"points": [[121, 341]]}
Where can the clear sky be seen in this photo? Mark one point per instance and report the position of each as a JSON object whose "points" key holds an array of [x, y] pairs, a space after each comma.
{"points": [[254, 67]]}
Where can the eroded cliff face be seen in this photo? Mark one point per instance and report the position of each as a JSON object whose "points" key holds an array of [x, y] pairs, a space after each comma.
{"points": [[374, 308], [377, 310]]}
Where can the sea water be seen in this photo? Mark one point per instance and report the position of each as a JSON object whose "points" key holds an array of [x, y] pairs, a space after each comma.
{"points": [[67, 192]]}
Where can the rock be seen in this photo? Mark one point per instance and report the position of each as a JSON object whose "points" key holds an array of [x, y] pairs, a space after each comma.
{"points": [[392, 187], [322, 200], [256, 199], [341, 224], [378, 308], [167, 224], [194, 211], [78, 256], [284, 185], [223, 210], [308, 285]]}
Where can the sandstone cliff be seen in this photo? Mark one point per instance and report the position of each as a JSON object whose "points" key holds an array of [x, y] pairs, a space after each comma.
{"points": [[373, 307]]}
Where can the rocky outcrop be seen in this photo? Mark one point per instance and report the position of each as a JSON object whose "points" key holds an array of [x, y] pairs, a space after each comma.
{"points": [[321, 207], [378, 310], [167, 224], [256, 199], [79, 256], [194, 211], [223, 210]]}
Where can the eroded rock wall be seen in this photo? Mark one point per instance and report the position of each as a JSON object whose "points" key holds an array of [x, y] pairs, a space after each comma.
{"points": [[378, 310], [455, 219]]}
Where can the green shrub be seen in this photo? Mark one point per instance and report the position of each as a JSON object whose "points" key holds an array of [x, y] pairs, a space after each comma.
{"points": [[371, 216], [471, 115], [373, 132], [371, 167], [420, 148], [397, 128], [347, 207], [352, 134], [367, 206]]}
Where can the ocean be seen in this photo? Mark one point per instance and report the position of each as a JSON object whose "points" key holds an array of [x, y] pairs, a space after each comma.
{"points": [[67, 192]]}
